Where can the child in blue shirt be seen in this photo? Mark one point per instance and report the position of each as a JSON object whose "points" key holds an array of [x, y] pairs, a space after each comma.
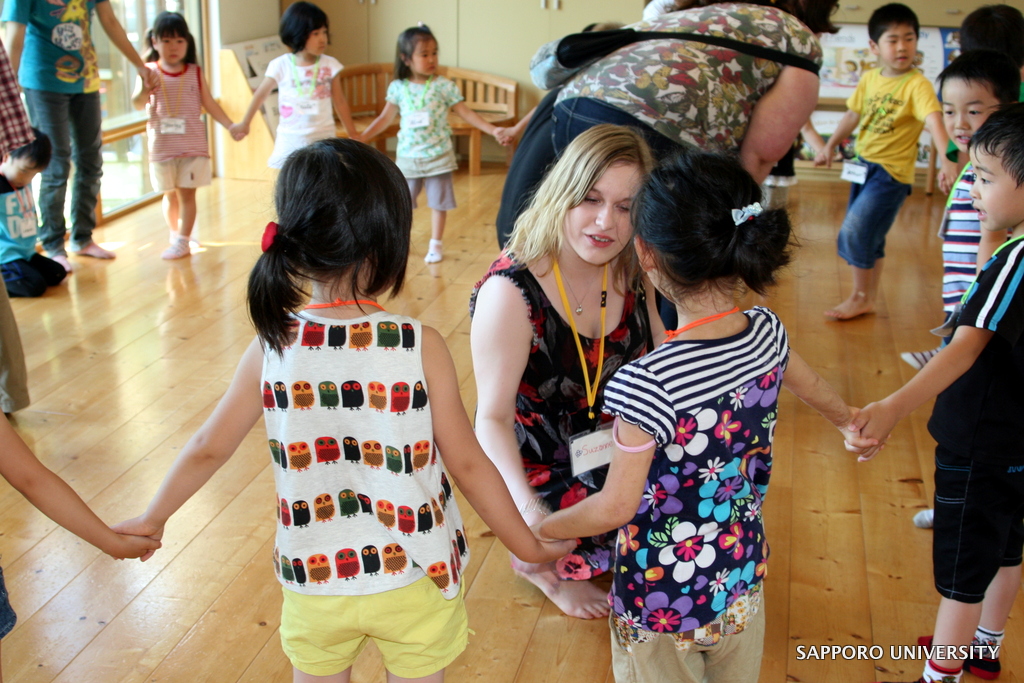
{"points": [[25, 272]]}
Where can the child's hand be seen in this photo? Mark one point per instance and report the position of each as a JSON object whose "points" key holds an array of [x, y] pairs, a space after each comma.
{"points": [[130, 547], [504, 136], [139, 526], [856, 442], [875, 421], [548, 549], [238, 131], [947, 174], [150, 78], [824, 157]]}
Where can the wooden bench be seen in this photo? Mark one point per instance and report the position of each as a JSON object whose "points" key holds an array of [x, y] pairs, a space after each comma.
{"points": [[494, 98]]}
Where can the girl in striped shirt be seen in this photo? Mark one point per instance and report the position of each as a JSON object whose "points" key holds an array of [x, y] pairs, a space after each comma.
{"points": [[179, 156], [694, 422]]}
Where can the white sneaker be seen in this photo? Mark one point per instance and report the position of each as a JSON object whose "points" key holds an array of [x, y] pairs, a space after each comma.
{"points": [[925, 519]]}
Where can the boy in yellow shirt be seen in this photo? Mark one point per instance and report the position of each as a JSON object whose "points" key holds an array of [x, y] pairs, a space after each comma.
{"points": [[892, 104]]}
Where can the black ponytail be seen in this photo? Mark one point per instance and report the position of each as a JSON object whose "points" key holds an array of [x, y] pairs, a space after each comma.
{"points": [[684, 214], [343, 212]]}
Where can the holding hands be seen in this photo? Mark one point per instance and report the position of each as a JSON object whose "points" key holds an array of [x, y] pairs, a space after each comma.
{"points": [[143, 534], [238, 130], [504, 136]]}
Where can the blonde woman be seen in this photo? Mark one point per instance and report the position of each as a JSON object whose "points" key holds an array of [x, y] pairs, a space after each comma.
{"points": [[539, 390]]}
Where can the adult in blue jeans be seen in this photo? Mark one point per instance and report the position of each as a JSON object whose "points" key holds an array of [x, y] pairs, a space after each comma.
{"points": [[52, 52], [686, 93]]}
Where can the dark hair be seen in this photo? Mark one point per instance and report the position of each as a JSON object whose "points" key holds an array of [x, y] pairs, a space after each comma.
{"points": [[888, 16], [38, 151], [407, 42], [988, 67], [995, 27], [683, 213], [343, 211], [815, 14], [1002, 136], [298, 21], [170, 24]]}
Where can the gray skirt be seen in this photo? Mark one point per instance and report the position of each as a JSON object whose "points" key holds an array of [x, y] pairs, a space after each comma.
{"points": [[415, 167]]}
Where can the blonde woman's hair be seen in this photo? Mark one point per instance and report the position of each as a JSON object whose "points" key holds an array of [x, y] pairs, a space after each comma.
{"points": [[540, 230]]}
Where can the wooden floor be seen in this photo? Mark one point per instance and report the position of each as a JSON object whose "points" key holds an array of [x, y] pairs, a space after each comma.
{"points": [[128, 358]]}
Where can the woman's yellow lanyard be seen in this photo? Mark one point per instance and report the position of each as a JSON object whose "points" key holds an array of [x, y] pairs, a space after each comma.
{"points": [[591, 388]]}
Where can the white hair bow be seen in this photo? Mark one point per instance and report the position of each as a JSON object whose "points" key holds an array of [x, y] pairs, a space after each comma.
{"points": [[746, 213]]}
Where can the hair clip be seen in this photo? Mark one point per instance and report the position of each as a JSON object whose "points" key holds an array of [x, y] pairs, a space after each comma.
{"points": [[269, 233], [746, 213]]}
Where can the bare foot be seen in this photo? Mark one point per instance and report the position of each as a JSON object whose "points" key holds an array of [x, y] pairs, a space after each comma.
{"points": [[580, 599], [856, 305]]}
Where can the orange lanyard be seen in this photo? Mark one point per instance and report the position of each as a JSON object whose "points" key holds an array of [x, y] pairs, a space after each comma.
{"points": [[670, 334], [590, 388], [339, 302]]}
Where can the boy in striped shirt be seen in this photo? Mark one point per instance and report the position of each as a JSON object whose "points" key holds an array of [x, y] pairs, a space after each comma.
{"points": [[973, 86], [978, 380]]}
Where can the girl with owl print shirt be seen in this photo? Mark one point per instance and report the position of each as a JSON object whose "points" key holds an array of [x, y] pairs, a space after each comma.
{"points": [[359, 404]]}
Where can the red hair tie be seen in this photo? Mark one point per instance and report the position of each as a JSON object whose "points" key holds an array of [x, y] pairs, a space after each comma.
{"points": [[269, 233]]}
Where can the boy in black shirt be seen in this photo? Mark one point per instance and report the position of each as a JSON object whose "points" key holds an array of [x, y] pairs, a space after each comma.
{"points": [[978, 379]]}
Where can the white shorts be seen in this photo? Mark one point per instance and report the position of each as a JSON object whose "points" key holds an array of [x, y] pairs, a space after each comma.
{"points": [[183, 172]]}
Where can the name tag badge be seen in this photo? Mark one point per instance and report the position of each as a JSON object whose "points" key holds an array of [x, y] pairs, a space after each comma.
{"points": [[417, 119], [854, 172], [172, 126], [308, 107], [591, 449]]}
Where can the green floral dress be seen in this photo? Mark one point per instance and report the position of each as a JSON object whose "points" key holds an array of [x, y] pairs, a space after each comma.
{"points": [[694, 93]]}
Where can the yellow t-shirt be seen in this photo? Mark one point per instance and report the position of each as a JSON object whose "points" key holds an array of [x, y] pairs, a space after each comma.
{"points": [[892, 113]]}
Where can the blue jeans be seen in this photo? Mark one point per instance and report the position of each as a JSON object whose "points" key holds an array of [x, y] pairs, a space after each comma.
{"points": [[578, 114], [7, 616], [72, 122], [870, 214]]}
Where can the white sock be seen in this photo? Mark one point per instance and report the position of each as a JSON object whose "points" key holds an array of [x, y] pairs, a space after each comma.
{"points": [[434, 252], [992, 639], [935, 674]]}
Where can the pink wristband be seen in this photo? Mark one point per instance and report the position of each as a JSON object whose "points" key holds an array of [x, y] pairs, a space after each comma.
{"points": [[628, 449]]}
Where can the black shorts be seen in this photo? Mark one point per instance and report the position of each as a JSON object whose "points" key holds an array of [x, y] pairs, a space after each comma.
{"points": [[979, 523]]}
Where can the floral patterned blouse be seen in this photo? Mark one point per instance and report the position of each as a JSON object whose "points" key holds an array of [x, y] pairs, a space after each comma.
{"points": [[551, 406], [694, 93], [696, 545]]}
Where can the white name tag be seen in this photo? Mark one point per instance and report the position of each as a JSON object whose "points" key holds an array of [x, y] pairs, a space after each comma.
{"points": [[854, 172], [591, 449], [417, 119], [308, 107], [172, 126]]}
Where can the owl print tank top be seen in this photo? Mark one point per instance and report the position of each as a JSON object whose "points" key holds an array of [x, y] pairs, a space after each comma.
{"points": [[363, 502]]}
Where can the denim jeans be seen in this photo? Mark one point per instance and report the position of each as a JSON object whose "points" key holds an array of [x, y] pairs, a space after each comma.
{"points": [[72, 122], [870, 214], [578, 114]]}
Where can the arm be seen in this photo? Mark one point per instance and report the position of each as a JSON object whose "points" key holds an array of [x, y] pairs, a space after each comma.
{"points": [[500, 338], [617, 502], [948, 170], [474, 474], [112, 27], [341, 106], [209, 448], [812, 389], [14, 41], [387, 115], [776, 120], [846, 125], [141, 95], [813, 137], [241, 129], [990, 241], [58, 501], [877, 419], [212, 106], [475, 120]]}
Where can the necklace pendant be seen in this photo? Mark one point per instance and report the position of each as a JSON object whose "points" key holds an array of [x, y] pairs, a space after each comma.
{"points": [[579, 310]]}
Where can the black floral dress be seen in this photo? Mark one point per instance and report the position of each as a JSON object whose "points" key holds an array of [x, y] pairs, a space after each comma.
{"points": [[551, 406]]}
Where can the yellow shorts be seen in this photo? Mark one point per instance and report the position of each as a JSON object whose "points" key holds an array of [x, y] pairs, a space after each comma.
{"points": [[417, 631]]}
